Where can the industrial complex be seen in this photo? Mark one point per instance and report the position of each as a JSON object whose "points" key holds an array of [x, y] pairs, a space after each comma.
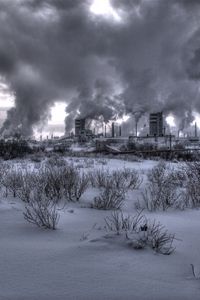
{"points": [[112, 138]]}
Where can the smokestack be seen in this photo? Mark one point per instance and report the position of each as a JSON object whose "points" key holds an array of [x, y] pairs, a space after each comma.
{"points": [[195, 130], [136, 127], [120, 131], [105, 132], [113, 129]]}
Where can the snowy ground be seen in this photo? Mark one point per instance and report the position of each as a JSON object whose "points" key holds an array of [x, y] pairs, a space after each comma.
{"points": [[77, 261]]}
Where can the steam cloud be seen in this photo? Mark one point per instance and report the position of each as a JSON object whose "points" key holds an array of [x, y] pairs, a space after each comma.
{"points": [[101, 67]]}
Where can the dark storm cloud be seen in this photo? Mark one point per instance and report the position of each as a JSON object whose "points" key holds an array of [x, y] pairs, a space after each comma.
{"points": [[189, 3], [57, 50], [38, 55]]}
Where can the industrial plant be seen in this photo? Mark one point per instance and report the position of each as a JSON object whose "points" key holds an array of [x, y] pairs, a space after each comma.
{"points": [[154, 138]]}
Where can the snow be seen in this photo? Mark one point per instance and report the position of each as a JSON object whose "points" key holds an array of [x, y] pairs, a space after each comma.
{"points": [[79, 148], [80, 260]]}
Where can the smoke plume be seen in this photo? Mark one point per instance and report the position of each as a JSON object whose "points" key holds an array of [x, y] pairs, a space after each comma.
{"points": [[147, 59]]}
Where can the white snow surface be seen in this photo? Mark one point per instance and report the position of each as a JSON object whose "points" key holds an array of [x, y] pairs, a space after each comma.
{"points": [[79, 261]]}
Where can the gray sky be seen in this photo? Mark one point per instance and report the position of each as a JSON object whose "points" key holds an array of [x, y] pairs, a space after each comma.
{"points": [[101, 61]]}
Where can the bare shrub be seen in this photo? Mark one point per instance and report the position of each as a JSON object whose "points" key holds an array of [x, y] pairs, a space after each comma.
{"points": [[133, 177], [61, 182], [80, 166], [28, 184], [79, 187], [159, 173], [130, 179], [37, 157], [75, 184], [88, 163], [141, 232], [155, 236], [45, 181], [192, 186], [179, 177], [160, 197], [126, 178], [77, 160], [102, 161], [120, 223], [99, 178], [4, 169], [12, 181], [56, 161], [111, 197], [37, 165], [52, 179], [161, 191], [41, 212]]}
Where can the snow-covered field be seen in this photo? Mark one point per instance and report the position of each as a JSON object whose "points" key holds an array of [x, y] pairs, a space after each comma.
{"points": [[81, 261]]}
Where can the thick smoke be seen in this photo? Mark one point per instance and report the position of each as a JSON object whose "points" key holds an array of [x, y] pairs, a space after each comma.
{"points": [[146, 60]]}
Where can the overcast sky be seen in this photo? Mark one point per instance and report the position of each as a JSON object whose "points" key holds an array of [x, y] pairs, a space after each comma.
{"points": [[102, 61]]}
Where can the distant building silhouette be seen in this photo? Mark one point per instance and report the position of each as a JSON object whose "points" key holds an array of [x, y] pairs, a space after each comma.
{"points": [[156, 124], [79, 126]]}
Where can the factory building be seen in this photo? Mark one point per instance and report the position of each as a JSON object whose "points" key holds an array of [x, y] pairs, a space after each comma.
{"points": [[156, 124], [79, 126], [82, 134]]}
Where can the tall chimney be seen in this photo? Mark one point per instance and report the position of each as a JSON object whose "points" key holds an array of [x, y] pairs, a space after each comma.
{"points": [[195, 130], [136, 128], [113, 129], [120, 131], [164, 130], [105, 131]]}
